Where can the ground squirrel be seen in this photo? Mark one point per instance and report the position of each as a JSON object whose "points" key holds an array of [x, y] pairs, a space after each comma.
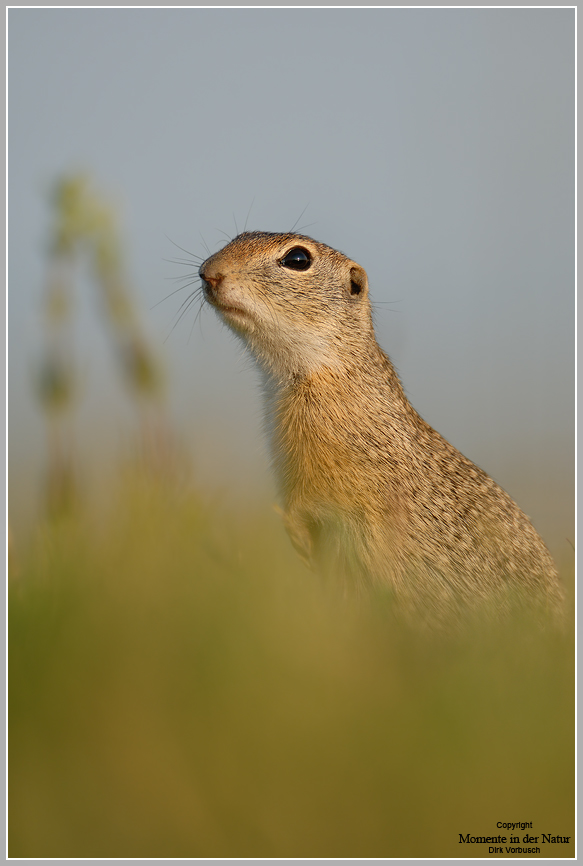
{"points": [[372, 495]]}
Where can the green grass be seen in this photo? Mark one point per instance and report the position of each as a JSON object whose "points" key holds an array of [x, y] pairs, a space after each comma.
{"points": [[180, 686]]}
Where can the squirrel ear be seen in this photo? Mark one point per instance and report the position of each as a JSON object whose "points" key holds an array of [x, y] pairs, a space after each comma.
{"points": [[358, 281]]}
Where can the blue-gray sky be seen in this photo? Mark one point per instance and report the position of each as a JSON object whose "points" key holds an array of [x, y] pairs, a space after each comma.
{"points": [[433, 146]]}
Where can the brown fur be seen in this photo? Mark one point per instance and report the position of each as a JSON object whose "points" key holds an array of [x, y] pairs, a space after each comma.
{"points": [[371, 493]]}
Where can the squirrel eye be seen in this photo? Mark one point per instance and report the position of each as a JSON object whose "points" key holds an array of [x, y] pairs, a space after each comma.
{"points": [[297, 259]]}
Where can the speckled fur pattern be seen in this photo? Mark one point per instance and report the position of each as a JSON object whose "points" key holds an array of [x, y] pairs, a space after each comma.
{"points": [[372, 495]]}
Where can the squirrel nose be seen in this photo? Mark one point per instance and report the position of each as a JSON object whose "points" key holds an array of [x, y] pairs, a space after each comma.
{"points": [[212, 281]]}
